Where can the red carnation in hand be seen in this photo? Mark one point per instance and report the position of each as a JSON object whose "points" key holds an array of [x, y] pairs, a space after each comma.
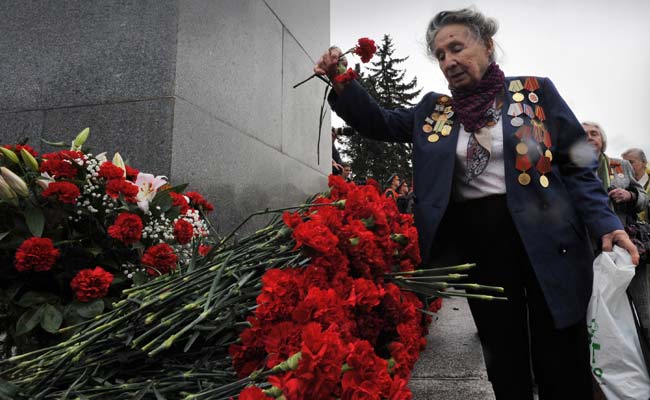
{"points": [[183, 231], [91, 284], [65, 192], [365, 49], [347, 76], [108, 170], [127, 228], [115, 187], [198, 201], [38, 254], [160, 259]]}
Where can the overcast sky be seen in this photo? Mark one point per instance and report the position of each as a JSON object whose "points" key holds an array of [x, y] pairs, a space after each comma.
{"points": [[596, 52]]}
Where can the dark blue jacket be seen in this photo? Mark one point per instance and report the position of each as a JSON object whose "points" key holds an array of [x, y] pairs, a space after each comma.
{"points": [[551, 221]]}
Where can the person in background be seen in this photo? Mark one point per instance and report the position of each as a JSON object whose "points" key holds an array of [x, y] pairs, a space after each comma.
{"points": [[637, 158], [496, 185], [626, 195], [347, 172], [392, 183], [404, 198], [337, 168]]}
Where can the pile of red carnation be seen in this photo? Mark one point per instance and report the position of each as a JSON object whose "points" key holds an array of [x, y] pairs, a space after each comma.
{"points": [[355, 334]]}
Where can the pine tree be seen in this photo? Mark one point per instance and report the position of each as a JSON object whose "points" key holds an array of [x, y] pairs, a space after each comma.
{"points": [[386, 84]]}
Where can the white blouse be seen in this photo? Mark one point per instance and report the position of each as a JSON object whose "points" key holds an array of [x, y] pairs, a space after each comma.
{"points": [[492, 181]]}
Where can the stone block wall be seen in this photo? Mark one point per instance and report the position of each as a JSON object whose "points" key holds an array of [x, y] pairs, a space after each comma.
{"points": [[198, 90]]}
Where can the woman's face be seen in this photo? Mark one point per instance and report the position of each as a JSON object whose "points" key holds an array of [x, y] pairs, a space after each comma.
{"points": [[594, 137], [463, 58]]}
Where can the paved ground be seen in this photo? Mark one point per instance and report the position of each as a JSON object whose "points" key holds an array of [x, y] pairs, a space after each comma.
{"points": [[452, 366]]}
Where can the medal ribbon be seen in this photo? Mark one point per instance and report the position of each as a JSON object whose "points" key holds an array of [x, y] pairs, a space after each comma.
{"points": [[531, 84], [515, 86]]}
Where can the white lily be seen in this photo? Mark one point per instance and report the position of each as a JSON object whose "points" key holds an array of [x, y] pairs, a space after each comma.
{"points": [[148, 186]]}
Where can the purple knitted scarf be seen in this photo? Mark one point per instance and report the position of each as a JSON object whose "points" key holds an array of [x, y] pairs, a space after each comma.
{"points": [[471, 104]]}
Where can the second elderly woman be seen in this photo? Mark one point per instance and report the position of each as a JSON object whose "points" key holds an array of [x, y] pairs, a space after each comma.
{"points": [[495, 184]]}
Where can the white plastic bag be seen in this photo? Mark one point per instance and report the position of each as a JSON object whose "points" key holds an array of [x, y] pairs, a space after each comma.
{"points": [[616, 359]]}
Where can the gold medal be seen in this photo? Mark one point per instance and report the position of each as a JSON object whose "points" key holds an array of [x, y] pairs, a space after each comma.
{"points": [[543, 180], [427, 128], [433, 138], [518, 97], [524, 179], [548, 154], [443, 99], [435, 116], [446, 130], [522, 148]]}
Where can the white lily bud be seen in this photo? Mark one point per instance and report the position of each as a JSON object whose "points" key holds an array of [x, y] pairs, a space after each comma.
{"points": [[43, 183], [6, 192], [29, 160], [80, 139], [117, 160], [15, 182], [9, 154]]}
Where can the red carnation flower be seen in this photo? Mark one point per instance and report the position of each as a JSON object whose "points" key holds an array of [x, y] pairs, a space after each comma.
{"points": [[316, 236], [183, 231], [291, 220], [365, 49], [108, 170], [131, 173], [253, 393], [115, 187], [38, 254], [204, 249], [91, 284], [159, 259], [178, 200], [198, 201], [65, 192], [18, 147], [347, 76], [58, 168], [127, 228]]}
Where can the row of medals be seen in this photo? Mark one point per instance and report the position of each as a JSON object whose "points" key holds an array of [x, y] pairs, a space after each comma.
{"points": [[517, 121], [439, 123]]}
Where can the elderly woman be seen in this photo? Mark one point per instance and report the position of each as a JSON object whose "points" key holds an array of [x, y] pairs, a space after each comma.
{"points": [[495, 182], [627, 196]]}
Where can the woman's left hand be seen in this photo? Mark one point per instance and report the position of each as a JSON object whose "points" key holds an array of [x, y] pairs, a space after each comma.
{"points": [[620, 195], [620, 238]]}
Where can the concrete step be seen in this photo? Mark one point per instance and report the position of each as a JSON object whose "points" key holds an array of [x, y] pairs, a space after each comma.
{"points": [[452, 365]]}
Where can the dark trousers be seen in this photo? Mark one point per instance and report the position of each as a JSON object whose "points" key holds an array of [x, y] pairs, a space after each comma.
{"points": [[520, 342]]}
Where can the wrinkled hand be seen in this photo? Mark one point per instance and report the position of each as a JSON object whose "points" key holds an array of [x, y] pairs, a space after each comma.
{"points": [[328, 63], [337, 165], [620, 238], [620, 195]]}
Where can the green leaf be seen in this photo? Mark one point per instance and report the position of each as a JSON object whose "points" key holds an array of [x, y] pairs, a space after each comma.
{"points": [[4, 234], [90, 310], [28, 320], [35, 220], [55, 144], [30, 299], [52, 318], [178, 188], [162, 200]]}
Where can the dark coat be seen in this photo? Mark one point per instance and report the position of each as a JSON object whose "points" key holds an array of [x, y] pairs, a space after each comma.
{"points": [[551, 221]]}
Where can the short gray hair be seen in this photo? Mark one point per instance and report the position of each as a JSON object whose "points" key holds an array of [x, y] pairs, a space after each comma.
{"points": [[480, 26], [603, 137], [635, 152]]}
